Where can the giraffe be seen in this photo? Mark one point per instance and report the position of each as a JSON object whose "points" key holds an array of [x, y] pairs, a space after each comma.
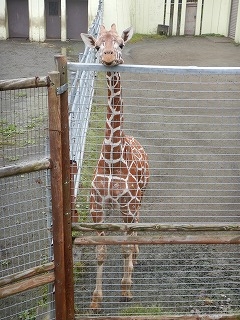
{"points": [[122, 171]]}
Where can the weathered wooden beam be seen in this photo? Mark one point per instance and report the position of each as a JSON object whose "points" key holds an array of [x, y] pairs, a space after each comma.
{"points": [[166, 317], [25, 167], [151, 240], [55, 139], [26, 284], [125, 227], [24, 83], [26, 274], [61, 62]]}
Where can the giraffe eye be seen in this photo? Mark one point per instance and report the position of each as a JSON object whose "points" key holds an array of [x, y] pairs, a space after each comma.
{"points": [[121, 45], [97, 48]]}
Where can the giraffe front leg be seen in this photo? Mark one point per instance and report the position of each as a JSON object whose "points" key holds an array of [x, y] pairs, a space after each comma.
{"points": [[127, 273], [97, 293]]}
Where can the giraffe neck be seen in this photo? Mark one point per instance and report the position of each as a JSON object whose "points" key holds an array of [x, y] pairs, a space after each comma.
{"points": [[113, 141]]}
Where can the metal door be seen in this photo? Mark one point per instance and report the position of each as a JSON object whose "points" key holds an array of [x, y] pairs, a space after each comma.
{"points": [[77, 18], [233, 18], [18, 18], [53, 19], [190, 20]]}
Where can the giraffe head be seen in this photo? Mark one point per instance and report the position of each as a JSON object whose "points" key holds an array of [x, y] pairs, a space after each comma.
{"points": [[109, 44]]}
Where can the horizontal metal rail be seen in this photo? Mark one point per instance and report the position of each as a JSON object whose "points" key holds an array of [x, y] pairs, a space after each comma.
{"points": [[75, 66]]}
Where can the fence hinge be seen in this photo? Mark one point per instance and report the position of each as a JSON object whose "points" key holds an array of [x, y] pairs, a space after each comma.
{"points": [[62, 88]]}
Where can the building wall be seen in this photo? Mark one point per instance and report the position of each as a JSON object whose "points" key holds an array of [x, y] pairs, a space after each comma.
{"points": [[37, 31], [118, 12], [143, 15], [3, 20], [216, 14], [146, 15], [237, 35]]}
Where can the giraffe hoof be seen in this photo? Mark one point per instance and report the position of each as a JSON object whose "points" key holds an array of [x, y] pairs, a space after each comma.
{"points": [[96, 308], [125, 299]]}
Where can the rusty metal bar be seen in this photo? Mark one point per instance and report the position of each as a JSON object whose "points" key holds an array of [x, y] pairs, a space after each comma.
{"points": [[55, 140], [210, 227], [61, 62], [24, 83], [26, 167]]}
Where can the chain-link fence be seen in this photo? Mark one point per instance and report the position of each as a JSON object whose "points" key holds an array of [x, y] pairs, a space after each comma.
{"points": [[187, 119]]}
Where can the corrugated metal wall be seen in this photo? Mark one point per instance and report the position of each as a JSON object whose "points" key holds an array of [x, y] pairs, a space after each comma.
{"points": [[233, 18]]}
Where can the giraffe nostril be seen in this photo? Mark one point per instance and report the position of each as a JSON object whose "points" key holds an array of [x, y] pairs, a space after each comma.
{"points": [[108, 52]]}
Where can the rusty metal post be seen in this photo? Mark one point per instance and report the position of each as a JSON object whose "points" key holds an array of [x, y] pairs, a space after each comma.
{"points": [[61, 63], [57, 194]]}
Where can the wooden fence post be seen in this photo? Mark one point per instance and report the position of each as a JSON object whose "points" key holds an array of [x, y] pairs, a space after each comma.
{"points": [[61, 63], [57, 194]]}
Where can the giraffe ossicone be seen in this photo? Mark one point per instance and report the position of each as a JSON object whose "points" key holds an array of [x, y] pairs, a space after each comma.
{"points": [[122, 171]]}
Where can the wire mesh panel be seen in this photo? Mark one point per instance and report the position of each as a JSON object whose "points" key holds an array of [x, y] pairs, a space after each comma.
{"points": [[177, 279], [25, 219], [188, 123]]}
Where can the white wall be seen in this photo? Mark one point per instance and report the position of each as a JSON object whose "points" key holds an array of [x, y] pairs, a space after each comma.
{"points": [[3, 20], [118, 12], [147, 15], [37, 30], [92, 10], [216, 14], [143, 15], [237, 35]]}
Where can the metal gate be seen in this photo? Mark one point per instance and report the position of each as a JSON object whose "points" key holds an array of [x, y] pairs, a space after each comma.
{"points": [[187, 119], [233, 18]]}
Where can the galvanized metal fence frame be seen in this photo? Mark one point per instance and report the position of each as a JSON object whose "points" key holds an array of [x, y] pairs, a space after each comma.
{"points": [[158, 229], [81, 94]]}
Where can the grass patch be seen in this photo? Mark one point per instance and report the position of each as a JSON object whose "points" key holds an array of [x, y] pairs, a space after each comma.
{"points": [[140, 37], [21, 94], [78, 270], [8, 133], [141, 310], [8, 129]]}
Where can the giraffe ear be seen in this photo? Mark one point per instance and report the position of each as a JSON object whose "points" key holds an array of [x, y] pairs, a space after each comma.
{"points": [[127, 34], [89, 40], [113, 27], [102, 29]]}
